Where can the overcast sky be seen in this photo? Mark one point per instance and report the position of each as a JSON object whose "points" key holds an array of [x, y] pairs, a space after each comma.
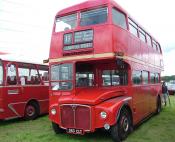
{"points": [[26, 25]]}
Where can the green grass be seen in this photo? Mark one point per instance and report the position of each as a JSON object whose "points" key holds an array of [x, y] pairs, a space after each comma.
{"points": [[160, 128]]}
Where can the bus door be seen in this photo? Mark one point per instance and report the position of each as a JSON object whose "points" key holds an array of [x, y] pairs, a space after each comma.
{"points": [[13, 92]]}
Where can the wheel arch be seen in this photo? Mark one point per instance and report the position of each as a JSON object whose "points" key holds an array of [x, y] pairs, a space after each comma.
{"points": [[128, 108]]}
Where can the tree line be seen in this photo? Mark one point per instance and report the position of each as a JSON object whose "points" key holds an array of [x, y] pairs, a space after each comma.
{"points": [[168, 78]]}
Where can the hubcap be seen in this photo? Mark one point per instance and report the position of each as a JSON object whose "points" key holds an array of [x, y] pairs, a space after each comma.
{"points": [[30, 110], [125, 124]]}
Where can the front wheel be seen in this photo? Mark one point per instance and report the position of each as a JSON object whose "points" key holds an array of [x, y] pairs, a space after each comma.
{"points": [[122, 128], [56, 128]]}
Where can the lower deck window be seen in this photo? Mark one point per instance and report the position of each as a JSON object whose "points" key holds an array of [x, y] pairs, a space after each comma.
{"points": [[84, 79], [114, 78]]}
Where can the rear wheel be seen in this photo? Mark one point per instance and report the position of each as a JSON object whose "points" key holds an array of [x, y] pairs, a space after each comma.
{"points": [[122, 128], [159, 105], [31, 111], [57, 129]]}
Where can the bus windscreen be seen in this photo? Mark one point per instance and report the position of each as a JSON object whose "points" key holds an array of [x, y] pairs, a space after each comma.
{"points": [[92, 17], [66, 23], [61, 77]]}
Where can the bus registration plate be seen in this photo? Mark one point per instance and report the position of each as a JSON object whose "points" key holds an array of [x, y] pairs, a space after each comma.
{"points": [[75, 131]]}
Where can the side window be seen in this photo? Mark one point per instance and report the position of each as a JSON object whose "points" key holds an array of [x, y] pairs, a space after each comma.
{"points": [[157, 78], [145, 77], [34, 77], [28, 76], [1, 73], [11, 75], [114, 77], [44, 75], [142, 35], [152, 78], [136, 77], [149, 40], [133, 28], [24, 76], [119, 18]]}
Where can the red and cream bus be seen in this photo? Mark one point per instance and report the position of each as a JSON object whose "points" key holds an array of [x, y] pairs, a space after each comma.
{"points": [[104, 70], [24, 90]]}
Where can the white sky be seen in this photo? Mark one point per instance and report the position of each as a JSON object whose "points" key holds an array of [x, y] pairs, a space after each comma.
{"points": [[26, 25]]}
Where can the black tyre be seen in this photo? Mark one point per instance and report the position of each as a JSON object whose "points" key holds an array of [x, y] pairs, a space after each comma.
{"points": [[31, 111], [159, 105], [57, 129], [123, 126]]}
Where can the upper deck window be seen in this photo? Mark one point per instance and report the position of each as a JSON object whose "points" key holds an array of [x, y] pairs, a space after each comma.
{"points": [[155, 45], [148, 40], [133, 28], [142, 35], [159, 48], [119, 18], [92, 17], [66, 23], [1, 73], [145, 77]]}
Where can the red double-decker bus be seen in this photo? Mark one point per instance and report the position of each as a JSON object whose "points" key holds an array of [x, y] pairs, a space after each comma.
{"points": [[104, 70], [24, 90]]}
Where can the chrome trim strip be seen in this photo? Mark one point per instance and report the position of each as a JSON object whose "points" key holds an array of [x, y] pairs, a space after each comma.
{"points": [[43, 100], [127, 99], [9, 118], [75, 115], [10, 106]]}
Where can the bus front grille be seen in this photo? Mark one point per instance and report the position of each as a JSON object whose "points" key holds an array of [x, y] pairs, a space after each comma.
{"points": [[76, 116]]}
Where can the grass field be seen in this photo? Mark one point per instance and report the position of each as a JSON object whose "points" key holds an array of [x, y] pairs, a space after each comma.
{"points": [[160, 128]]}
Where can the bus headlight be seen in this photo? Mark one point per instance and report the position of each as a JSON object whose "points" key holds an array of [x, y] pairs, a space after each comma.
{"points": [[53, 111], [103, 114]]}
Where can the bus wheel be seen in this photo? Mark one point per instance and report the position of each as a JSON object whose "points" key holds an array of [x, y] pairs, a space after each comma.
{"points": [[57, 129], [31, 111], [159, 106], [122, 128]]}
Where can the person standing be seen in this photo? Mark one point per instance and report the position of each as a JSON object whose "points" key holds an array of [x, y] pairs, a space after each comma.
{"points": [[165, 92]]}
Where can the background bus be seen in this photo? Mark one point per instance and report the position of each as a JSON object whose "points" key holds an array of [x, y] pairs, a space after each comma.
{"points": [[23, 90], [104, 70]]}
